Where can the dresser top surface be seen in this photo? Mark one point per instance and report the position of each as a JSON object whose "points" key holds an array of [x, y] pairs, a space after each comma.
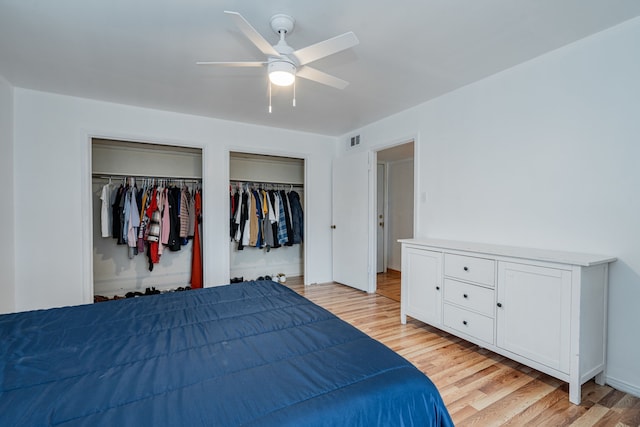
{"points": [[562, 257]]}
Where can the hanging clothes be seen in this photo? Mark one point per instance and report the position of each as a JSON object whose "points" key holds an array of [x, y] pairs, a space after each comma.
{"points": [[269, 217], [260, 215], [165, 222], [149, 219], [287, 219], [185, 204], [297, 221], [196, 259], [173, 200], [265, 218], [106, 212], [153, 237], [283, 237], [144, 219], [253, 220], [233, 214], [273, 217], [116, 230], [242, 220], [192, 216], [133, 222]]}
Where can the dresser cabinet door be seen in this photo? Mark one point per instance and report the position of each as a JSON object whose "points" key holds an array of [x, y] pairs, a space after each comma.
{"points": [[422, 272], [534, 313]]}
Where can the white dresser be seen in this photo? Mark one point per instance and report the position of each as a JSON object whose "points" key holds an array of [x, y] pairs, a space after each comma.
{"points": [[545, 309]]}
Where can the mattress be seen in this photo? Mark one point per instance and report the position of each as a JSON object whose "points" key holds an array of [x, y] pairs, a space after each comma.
{"points": [[253, 353]]}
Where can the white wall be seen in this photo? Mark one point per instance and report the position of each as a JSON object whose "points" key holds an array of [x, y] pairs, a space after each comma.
{"points": [[7, 259], [400, 200], [542, 155], [53, 191]]}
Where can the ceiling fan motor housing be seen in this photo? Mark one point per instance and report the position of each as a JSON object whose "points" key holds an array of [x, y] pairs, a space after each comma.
{"points": [[282, 23]]}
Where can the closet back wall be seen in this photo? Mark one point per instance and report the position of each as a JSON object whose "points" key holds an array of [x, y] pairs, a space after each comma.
{"points": [[251, 263], [113, 272]]}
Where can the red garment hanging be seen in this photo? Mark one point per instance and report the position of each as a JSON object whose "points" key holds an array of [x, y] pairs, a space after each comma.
{"points": [[154, 256], [196, 260]]}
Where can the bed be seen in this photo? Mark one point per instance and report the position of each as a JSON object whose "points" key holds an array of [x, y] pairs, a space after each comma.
{"points": [[252, 353]]}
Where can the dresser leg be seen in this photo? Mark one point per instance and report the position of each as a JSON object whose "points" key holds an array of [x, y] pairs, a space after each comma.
{"points": [[575, 392]]}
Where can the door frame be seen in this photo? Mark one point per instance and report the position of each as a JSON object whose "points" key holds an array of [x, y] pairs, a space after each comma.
{"points": [[385, 214], [373, 161]]}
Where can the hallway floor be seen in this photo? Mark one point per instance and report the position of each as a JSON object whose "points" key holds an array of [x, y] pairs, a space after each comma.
{"points": [[388, 284]]}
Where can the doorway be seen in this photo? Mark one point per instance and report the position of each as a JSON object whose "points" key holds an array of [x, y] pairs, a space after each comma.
{"points": [[394, 214]]}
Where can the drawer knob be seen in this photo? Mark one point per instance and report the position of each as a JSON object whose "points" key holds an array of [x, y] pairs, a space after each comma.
{"points": [[465, 268], [464, 322], [499, 304], [465, 295], [437, 288]]}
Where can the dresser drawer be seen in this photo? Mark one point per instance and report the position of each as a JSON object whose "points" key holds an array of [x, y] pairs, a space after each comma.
{"points": [[470, 296], [469, 323], [479, 270]]}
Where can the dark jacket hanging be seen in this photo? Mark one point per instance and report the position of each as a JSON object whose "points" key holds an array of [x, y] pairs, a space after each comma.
{"points": [[174, 219], [244, 216], [297, 224], [274, 226]]}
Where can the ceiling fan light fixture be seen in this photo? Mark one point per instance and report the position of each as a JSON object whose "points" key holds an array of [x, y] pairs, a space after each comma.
{"points": [[282, 73]]}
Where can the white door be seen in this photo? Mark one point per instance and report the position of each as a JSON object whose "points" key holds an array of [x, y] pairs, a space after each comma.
{"points": [[380, 220], [351, 220]]}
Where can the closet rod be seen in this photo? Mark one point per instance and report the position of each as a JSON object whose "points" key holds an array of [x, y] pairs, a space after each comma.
{"points": [[257, 181], [133, 175]]}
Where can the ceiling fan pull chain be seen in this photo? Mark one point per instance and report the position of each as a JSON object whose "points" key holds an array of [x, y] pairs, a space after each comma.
{"points": [[294, 93], [269, 96]]}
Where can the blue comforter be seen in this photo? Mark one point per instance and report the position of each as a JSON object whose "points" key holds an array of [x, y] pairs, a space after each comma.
{"points": [[254, 353]]}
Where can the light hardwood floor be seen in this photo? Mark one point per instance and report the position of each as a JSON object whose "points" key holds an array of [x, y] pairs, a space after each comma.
{"points": [[388, 284], [480, 388]]}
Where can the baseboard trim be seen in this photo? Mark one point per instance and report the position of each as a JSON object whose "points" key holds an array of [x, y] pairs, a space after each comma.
{"points": [[623, 386]]}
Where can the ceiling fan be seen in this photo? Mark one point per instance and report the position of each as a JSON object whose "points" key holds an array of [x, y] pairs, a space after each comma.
{"points": [[283, 63]]}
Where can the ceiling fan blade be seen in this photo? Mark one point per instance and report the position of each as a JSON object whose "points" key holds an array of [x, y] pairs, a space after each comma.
{"points": [[325, 48], [252, 34], [309, 73], [233, 64]]}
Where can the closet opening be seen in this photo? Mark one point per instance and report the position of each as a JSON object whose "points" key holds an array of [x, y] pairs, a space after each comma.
{"points": [[266, 211], [147, 235]]}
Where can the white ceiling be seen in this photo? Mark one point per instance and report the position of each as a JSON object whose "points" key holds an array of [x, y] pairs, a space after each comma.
{"points": [[143, 52]]}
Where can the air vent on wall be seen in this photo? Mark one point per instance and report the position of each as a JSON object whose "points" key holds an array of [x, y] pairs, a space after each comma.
{"points": [[355, 140]]}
